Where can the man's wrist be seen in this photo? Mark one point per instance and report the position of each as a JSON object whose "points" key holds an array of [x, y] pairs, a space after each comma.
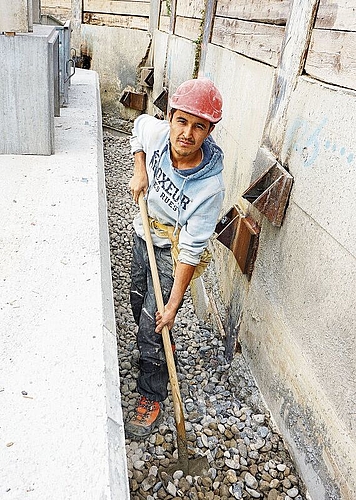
{"points": [[171, 308]]}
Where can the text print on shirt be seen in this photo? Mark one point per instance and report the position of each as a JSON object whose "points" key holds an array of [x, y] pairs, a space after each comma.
{"points": [[169, 192]]}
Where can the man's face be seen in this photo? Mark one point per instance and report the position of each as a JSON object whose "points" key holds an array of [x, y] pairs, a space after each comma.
{"points": [[187, 133]]}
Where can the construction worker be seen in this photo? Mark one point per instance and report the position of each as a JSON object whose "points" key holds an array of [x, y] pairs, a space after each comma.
{"points": [[178, 166]]}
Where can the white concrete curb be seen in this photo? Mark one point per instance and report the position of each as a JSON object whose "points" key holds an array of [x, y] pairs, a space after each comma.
{"points": [[61, 427]]}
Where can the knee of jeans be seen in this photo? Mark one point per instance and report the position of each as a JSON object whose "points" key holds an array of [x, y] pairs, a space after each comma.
{"points": [[151, 366]]}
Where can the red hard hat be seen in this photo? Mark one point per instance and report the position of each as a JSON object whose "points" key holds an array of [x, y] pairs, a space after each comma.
{"points": [[198, 97]]}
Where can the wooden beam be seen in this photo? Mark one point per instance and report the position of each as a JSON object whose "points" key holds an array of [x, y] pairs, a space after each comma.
{"points": [[187, 28], [332, 57], [291, 64], [61, 4], [190, 8], [134, 22], [137, 8], [61, 13], [164, 23], [265, 11], [255, 40]]}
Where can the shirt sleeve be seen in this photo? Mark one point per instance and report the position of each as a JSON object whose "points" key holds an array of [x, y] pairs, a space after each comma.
{"points": [[146, 132], [195, 234]]}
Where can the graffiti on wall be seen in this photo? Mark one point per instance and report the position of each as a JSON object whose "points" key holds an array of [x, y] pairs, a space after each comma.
{"points": [[309, 141]]}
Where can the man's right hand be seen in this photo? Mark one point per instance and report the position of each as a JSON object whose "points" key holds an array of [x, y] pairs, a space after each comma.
{"points": [[139, 180]]}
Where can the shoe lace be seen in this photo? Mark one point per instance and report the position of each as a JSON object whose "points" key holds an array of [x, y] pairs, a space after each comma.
{"points": [[144, 408]]}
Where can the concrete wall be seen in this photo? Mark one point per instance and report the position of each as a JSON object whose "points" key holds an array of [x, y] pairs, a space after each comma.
{"points": [[115, 53]]}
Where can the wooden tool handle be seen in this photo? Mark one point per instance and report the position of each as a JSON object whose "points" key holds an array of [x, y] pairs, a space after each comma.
{"points": [[177, 401]]}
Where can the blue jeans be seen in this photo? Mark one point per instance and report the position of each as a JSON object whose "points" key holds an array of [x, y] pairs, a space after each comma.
{"points": [[153, 377]]}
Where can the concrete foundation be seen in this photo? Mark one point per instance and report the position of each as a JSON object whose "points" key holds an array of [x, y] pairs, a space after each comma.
{"points": [[29, 87], [61, 430]]}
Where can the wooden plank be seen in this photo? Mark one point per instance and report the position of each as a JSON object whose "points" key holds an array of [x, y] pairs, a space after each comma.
{"points": [[266, 11], [188, 28], [164, 22], [135, 22], [255, 40], [60, 13], [336, 14], [293, 53], [136, 8], [56, 4], [190, 8], [332, 57]]}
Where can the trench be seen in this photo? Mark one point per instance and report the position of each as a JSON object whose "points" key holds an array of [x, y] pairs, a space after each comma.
{"points": [[226, 419]]}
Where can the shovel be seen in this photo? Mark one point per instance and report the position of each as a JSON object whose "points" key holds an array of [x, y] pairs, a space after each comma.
{"points": [[188, 466]]}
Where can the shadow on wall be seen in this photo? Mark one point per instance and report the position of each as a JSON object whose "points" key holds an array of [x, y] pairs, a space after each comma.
{"points": [[84, 60]]}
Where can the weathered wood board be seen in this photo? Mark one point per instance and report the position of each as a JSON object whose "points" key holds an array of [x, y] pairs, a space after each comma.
{"points": [[134, 22], [266, 11], [336, 14], [56, 4], [190, 8], [61, 13], [255, 40], [164, 22], [332, 57], [136, 8], [188, 28]]}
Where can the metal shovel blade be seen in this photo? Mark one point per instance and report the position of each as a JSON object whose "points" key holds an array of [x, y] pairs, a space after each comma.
{"points": [[190, 467]]}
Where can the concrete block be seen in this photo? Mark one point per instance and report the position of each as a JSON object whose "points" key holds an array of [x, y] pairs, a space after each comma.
{"points": [[14, 16], [27, 91]]}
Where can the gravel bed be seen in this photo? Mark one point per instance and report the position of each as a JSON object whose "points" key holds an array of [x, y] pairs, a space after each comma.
{"points": [[226, 419]]}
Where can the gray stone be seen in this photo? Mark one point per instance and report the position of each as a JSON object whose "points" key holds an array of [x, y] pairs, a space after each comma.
{"points": [[233, 463], [293, 492], [148, 483], [251, 481], [231, 476], [237, 490], [253, 493], [139, 464], [281, 467], [178, 474], [171, 489]]}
